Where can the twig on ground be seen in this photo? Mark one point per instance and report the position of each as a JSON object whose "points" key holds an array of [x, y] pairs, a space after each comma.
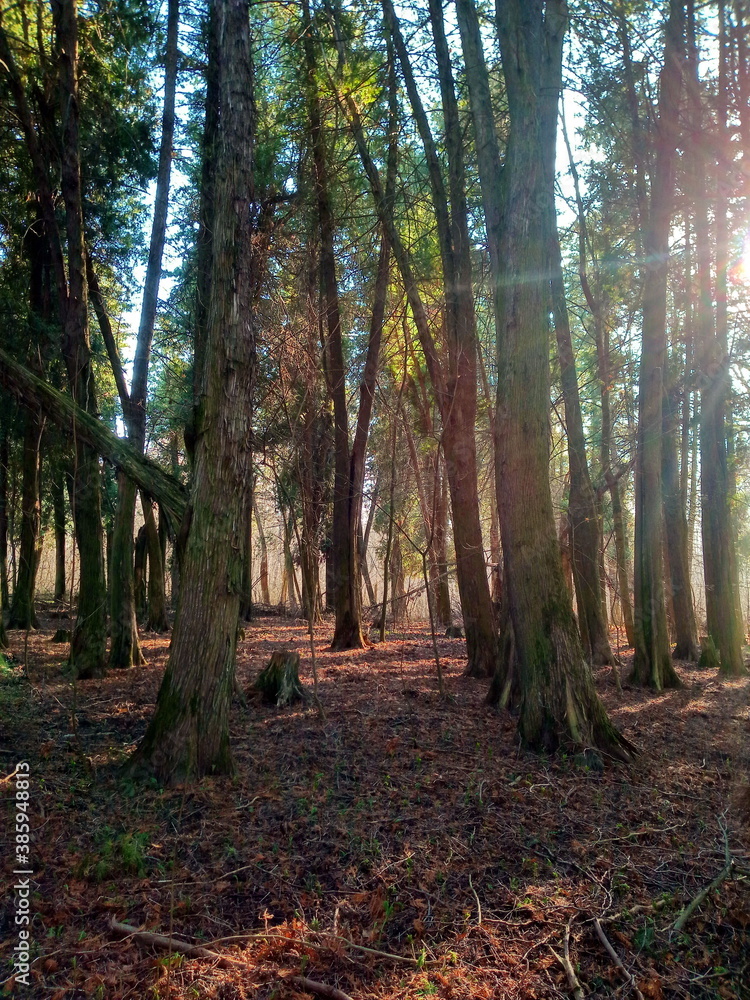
{"points": [[725, 872], [322, 989], [565, 962], [479, 905], [615, 957]]}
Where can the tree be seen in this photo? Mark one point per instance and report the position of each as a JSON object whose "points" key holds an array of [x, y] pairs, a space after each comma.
{"points": [[188, 735], [558, 702], [652, 663]]}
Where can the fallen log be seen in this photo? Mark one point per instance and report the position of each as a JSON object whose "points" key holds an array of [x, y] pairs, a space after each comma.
{"points": [[63, 411]]}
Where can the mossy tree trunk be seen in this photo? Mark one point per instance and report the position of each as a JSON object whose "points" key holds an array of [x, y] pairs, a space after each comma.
{"points": [[189, 734], [559, 704]]}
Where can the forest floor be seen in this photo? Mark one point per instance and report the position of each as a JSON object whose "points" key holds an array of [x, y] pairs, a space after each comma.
{"points": [[401, 847]]}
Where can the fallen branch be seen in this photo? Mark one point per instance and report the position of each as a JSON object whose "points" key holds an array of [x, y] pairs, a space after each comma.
{"points": [[322, 989], [304, 943], [615, 957], [170, 943], [565, 962], [725, 872], [69, 417]]}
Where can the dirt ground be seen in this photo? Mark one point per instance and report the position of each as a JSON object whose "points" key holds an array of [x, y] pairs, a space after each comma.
{"points": [[402, 847]]}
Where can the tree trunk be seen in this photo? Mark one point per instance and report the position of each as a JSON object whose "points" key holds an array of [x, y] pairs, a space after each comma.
{"points": [[456, 389], [189, 733], [652, 663], [675, 529], [157, 620], [57, 489], [559, 704], [125, 649], [89, 642], [724, 622], [22, 613], [265, 595], [139, 572], [4, 461]]}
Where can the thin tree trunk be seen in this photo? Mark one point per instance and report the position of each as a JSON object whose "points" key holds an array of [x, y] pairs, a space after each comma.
{"points": [[264, 592]]}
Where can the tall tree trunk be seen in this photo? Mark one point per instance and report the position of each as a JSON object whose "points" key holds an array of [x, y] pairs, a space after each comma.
{"points": [[126, 648], [22, 613], [558, 700], [607, 451], [89, 642], [652, 664], [348, 630], [719, 561], [456, 388], [189, 733]]}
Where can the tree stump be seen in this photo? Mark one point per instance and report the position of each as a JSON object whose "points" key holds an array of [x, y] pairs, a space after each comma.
{"points": [[454, 632], [279, 682], [62, 635]]}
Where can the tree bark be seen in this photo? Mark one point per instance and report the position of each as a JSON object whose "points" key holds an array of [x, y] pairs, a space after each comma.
{"points": [[559, 704], [125, 649], [189, 733], [57, 489], [724, 621], [676, 528], [89, 642], [652, 664], [4, 462], [455, 388], [157, 620], [22, 613]]}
